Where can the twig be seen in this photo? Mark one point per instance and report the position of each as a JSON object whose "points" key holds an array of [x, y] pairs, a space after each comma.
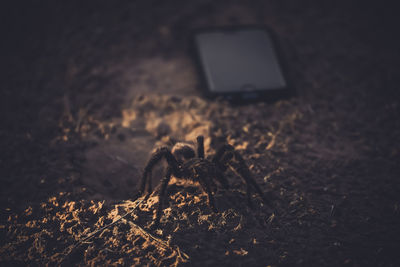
{"points": [[71, 248], [182, 256]]}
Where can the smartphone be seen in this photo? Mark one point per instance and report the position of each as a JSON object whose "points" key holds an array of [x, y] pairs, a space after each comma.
{"points": [[240, 63]]}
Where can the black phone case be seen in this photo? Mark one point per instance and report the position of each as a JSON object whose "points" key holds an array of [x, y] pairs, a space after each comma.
{"points": [[246, 92]]}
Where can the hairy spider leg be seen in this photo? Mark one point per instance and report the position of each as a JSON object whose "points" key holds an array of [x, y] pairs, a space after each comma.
{"points": [[244, 172], [161, 194], [219, 160], [222, 179], [223, 158], [200, 146], [155, 158], [220, 157], [206, 187], [164, 184]]}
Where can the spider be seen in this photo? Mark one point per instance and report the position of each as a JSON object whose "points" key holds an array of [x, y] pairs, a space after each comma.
{"points": [[183, 164]]}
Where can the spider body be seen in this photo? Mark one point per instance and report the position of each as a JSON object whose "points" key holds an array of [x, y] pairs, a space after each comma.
{"points": [[183, 164], [195, 168]]}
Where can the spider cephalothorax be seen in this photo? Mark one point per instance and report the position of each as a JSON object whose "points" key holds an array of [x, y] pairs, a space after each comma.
{"points": [[183, 164]]}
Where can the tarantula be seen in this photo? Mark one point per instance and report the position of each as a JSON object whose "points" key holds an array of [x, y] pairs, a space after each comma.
{"points": [[183, 164]]}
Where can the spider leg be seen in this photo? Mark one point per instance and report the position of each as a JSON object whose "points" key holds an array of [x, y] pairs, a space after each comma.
{"points": [[161, 195], [206, 187], [242, 169], [220, 159], [157, 156], [226, 157], [149, 185], [222, 179], [200, 146], [222, 156]]}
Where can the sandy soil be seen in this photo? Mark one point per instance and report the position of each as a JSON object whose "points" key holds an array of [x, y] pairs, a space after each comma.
{"points": [[89, 91]]}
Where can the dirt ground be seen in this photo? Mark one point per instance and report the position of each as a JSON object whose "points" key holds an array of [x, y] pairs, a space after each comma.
{"points": [[88, 90]]}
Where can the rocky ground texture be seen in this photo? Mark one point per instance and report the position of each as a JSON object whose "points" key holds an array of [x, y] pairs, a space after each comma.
{"points": [[90, 90]]}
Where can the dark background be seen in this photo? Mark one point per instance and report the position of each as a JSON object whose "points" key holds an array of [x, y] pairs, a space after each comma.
{"points": [[343, 60]]}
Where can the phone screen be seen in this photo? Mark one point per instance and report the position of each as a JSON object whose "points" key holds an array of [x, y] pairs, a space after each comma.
{"points": [[239, 62]]}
